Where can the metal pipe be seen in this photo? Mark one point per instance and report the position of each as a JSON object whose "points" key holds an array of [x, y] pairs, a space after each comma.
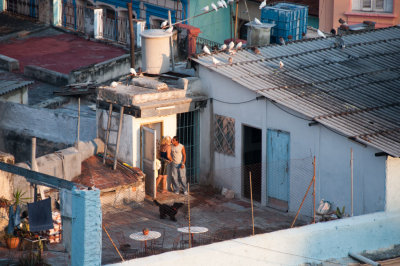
{"points": [[363, 259], [132, 33], [236, 18], [171, 42], [351, 176], [314, 191], [79, 123], [121, 117]]}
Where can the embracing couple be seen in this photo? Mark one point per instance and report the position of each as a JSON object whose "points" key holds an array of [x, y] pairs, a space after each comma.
{"points": [[173, 156]]}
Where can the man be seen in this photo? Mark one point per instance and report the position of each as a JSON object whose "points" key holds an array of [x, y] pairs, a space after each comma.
{"points": [[178, 169]]}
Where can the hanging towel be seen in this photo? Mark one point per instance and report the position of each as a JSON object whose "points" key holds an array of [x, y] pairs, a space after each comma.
{"points": [[10, 229], [40, 218]]}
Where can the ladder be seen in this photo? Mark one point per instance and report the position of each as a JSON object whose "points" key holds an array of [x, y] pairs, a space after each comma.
{"points": [[108, 130]]}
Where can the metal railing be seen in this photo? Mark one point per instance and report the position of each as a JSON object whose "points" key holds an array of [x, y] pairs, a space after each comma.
{"points": [[200, 42]]}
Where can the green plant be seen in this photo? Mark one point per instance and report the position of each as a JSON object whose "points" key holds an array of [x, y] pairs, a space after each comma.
{"points": [[19, 197], [33, 258], [340, 213]]}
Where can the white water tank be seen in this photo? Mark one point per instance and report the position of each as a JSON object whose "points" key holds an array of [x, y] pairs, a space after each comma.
{"points": [[155, 51]]}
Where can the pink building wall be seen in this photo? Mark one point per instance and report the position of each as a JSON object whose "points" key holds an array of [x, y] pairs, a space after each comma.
{"points": [[331, 10]]}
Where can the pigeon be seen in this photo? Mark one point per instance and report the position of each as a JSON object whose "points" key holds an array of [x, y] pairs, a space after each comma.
{"points": [[342, 21], [170, 29], [230, 1], [224, 3], [133, 72], [214, 7], [264, 3], [206, 50], [114, 84], [321, 34], [333, 32], [224, 46], [282, 41], [231, 45], [281, 65], [230, 60], [215, 61], [232, 52], [239, 45], [257, 21], [205, 9], [220, 4], [164, 24], [255, 50]]}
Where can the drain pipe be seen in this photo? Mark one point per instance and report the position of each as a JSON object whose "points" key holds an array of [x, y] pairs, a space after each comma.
{"points": [[363, 259]]}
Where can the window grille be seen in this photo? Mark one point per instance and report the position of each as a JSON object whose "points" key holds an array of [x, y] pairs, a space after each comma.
{"points": [[224, 135]]}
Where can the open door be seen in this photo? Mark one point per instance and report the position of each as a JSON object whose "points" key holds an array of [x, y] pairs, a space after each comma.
{"points": [[148, 143]]}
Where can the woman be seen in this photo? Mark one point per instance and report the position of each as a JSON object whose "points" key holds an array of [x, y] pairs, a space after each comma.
{"points": [[164, 152]]}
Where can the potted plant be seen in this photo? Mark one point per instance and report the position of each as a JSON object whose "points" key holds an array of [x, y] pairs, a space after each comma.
{"points": [[12, 241], [145, 231]]}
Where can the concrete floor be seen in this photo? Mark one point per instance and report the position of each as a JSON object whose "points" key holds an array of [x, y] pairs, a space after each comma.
{"points": [[225, 218]]}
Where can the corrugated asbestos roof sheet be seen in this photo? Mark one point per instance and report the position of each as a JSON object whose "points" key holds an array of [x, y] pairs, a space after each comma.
{"points": [[7, 86], [355, 90]]}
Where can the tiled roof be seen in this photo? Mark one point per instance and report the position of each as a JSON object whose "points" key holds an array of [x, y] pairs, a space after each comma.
{"points": [[7, 86], [354, 90]]}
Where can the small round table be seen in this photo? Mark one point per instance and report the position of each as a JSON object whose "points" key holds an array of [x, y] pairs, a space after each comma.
{"points": [[139, 236], [193, 230]]}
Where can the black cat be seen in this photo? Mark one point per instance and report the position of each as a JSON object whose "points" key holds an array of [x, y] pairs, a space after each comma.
{"points": [[171, 211]]}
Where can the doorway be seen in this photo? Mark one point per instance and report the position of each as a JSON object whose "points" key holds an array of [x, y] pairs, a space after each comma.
{"points": [[252, 155]]}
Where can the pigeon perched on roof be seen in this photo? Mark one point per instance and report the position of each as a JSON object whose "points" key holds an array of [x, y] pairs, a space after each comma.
{"points": [[224, 3], [264, 3], [321, 34], [239, 45], [133, 72], [333, 32], [206, 50], [282, 41], [230, 60], [224, 46], [231, 45], [205, 9], [342, 21], [220, 4], [255, 50], [281, 65], [215, 60], [257, 21], [114, 84], [214, 7], [170, 29], [165, 23]]}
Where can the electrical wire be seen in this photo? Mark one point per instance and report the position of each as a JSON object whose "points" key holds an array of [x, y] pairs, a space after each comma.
{"points": [[221, 101]]}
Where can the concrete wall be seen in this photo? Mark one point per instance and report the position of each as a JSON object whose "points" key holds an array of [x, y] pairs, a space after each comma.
{"points": [[308, 244], [215, 26], [392, 184], [17, 96], [54, 128], [86, 227], [129, 149], [104, 71], [5, 184], [332, 151]]}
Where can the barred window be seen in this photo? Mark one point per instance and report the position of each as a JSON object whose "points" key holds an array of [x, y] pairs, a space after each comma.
{"points": [[224, 134]]}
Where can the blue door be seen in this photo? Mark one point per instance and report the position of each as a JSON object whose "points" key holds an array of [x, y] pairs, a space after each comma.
{"points": [[278, 165]]}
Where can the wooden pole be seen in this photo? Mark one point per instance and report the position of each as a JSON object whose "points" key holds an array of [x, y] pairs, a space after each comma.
{"points": [[79, 123], [112, 242], [297, 214], [314, 190], [251, 200], [132, 34], [171, 42], [236, 18], [351, 176], [190, 235]]}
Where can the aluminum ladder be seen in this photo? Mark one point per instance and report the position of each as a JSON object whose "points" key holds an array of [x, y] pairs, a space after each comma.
{"points": [[108, 130]]}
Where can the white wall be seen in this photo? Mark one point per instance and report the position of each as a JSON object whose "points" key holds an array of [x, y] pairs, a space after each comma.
{"points": [[392, 184], [308, 244], [129, 149], [332, 151], [17, 96]]}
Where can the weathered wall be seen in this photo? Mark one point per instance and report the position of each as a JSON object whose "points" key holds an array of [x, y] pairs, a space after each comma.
{"points": [[86, 227], [53, 129], [392, 184], [45, 13], [332, 151], [307, 244], [5, 184], [17, 96]]}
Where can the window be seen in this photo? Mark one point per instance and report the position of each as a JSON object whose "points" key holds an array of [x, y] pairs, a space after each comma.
{"points": [[373, 5], [224, 134]]}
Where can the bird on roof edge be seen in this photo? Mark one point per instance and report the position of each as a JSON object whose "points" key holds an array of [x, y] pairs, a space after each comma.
{"points": [[165, 23], [170, 29], [321, 34], [133, 72], [263, 4], [239, 45], [206, 50], [257, 21], [205, 9], [223, 47], [230, 60], [114, 84], [214, 7], [215, 61], [231, 45], [281, 65]]}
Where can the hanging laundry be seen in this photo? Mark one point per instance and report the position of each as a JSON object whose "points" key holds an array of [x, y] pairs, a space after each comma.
{"points": [[40, 218]]}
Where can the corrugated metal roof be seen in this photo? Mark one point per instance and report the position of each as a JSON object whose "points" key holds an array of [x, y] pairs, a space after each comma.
{"points": [[7, 86], [355, 90]]}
